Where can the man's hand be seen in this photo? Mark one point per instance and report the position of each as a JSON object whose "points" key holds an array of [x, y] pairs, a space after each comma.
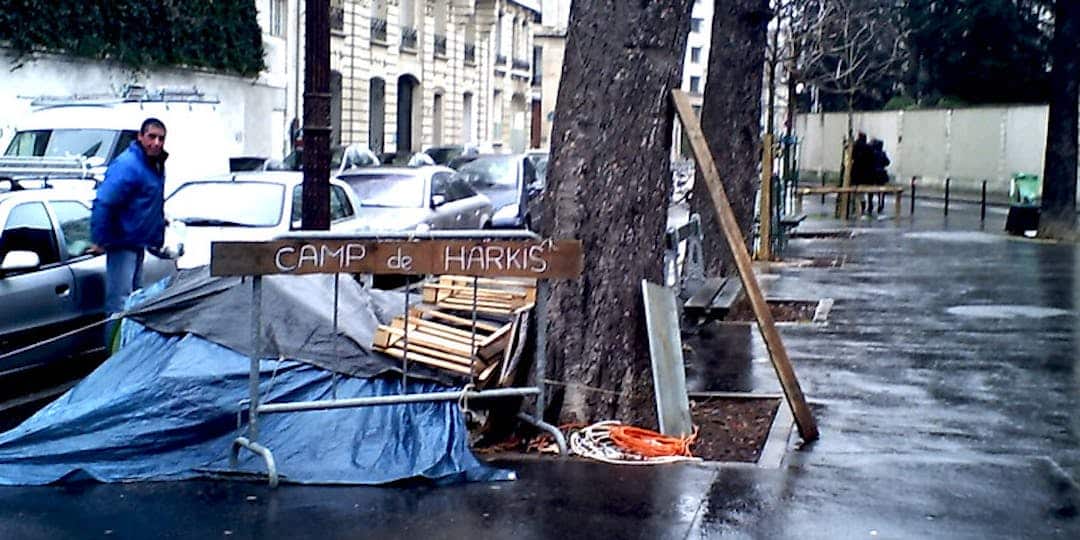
{"points": [[94, 249]]}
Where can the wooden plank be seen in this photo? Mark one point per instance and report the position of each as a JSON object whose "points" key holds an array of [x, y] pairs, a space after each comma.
{"points": [[434, 353], [766, 325], [765, 209], [435, 362], [480, 291], [849, 160], [549, 259], [436, 314], [440, 328], [432, 340]]}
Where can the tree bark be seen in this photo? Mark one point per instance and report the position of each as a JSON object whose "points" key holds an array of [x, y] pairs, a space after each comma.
{"points": [[731, 121], [1058, 216], [609, 183]]}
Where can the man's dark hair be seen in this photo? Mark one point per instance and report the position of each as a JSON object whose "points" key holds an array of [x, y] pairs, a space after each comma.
{"points": [[146, 124]]}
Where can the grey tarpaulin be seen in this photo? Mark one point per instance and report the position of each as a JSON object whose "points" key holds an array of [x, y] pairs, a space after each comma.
{"points": [[297, 319]]}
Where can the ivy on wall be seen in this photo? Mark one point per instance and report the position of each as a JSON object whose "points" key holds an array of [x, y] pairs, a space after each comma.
{"points": [[221, 35]]}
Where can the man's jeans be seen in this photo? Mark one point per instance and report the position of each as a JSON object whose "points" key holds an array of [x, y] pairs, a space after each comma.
{"points": [[123, 272]]}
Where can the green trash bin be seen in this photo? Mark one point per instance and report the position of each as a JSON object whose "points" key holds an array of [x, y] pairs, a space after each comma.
{"points": [[1025, 197], [1025, 190]]}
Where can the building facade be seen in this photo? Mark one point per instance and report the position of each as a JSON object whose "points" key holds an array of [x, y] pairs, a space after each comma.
{"points": [[410, 74]]}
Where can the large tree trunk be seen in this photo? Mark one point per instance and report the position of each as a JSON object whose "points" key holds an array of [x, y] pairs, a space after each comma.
{"points": [[1058, 217], [731, 120], [609, 183]]}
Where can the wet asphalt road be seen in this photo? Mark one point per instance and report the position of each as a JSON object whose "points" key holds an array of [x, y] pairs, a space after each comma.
{"points": [[945, 386]]}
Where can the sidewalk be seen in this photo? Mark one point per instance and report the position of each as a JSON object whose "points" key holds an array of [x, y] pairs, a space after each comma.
{"points": [[945, 386]]}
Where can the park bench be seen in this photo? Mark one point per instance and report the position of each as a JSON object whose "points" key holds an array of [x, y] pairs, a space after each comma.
{"points": [[896, 192]]}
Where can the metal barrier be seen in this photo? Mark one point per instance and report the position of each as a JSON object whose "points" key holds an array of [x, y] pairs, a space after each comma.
{"points": [[250, 259], [684, 264]]}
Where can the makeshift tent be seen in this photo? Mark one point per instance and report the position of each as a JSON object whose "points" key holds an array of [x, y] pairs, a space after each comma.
{"points": [[166, 406]]}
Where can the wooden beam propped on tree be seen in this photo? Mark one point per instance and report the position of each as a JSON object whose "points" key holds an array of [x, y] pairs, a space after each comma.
{"points": [[804, 419]]}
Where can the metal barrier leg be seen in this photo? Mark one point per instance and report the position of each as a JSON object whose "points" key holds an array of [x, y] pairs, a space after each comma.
{"points": [[267, 455], [560, 440]]}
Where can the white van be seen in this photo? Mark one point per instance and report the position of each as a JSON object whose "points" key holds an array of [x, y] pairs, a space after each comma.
{"points": [[99, 129]]}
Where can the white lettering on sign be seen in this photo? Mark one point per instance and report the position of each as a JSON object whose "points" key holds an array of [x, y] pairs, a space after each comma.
{"points": [[289, 259], [489, 258], [279, 260], [399, 261]]}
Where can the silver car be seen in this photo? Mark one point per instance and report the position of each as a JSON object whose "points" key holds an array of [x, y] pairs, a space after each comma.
{"points": [[249, 206], [49, 284], [416, 199]]}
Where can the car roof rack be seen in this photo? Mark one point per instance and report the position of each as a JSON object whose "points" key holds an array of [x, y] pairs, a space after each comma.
{"points": [[46, 168], [131, 93]]}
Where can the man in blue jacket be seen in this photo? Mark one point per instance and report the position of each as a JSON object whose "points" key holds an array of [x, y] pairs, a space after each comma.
{"points": [[129, 215]]}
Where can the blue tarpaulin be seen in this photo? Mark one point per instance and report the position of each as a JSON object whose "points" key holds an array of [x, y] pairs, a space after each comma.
{"points": [[165, 407]]}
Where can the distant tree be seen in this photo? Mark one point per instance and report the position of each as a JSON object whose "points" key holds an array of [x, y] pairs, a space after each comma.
{"points": [[1058, 217], [731, 121], [978, 51], [610, 181], [849, 49]]}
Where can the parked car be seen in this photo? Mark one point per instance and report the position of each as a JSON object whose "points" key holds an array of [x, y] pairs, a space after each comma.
{"points": [[49, 283], [442, 155], [249, 206], [539, 159], [416, 199], [510, 182]]}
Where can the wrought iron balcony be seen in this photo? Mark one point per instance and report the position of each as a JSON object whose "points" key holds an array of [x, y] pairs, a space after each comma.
{"points": [[378, 30], [408, 38], [440, 45], [470, 53]]}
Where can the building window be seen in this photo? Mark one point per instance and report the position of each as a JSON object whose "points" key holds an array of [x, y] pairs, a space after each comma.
{"points": [[278, 17], [440, 29], [695, 55], [378, 21], [496, 113], [695, 24], [695, 85], [337, 15]]}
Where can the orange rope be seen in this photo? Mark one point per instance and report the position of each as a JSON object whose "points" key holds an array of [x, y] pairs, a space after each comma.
{"points": [[649, 443]]}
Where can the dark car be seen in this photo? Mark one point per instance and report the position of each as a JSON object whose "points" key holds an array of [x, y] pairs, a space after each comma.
{"points": [[510, 182]]}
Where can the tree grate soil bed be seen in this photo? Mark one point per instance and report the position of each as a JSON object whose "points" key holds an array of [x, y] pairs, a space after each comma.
{"points": [[732, 429], [782, 311]]}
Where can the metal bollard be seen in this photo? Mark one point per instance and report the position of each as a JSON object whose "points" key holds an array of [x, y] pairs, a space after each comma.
{"points": [[982, 210], [947, 182], [913, 195]]}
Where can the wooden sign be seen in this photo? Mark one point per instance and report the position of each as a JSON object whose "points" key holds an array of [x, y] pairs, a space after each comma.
{"points": [[534, 259]]}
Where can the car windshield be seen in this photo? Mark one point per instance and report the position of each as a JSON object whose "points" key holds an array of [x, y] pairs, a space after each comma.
{"points": [[389, 190], [63, 143], [490, 173], [227, 204]]}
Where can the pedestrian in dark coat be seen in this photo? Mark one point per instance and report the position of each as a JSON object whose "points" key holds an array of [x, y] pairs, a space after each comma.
{"points": [[878, 175]]}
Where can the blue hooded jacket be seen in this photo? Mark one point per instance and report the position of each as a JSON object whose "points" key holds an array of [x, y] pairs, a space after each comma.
{"points": [[129, 209]]}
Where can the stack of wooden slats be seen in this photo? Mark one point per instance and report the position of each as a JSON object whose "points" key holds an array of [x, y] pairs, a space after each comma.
{"points": [[455, 343], [502, 297]]}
